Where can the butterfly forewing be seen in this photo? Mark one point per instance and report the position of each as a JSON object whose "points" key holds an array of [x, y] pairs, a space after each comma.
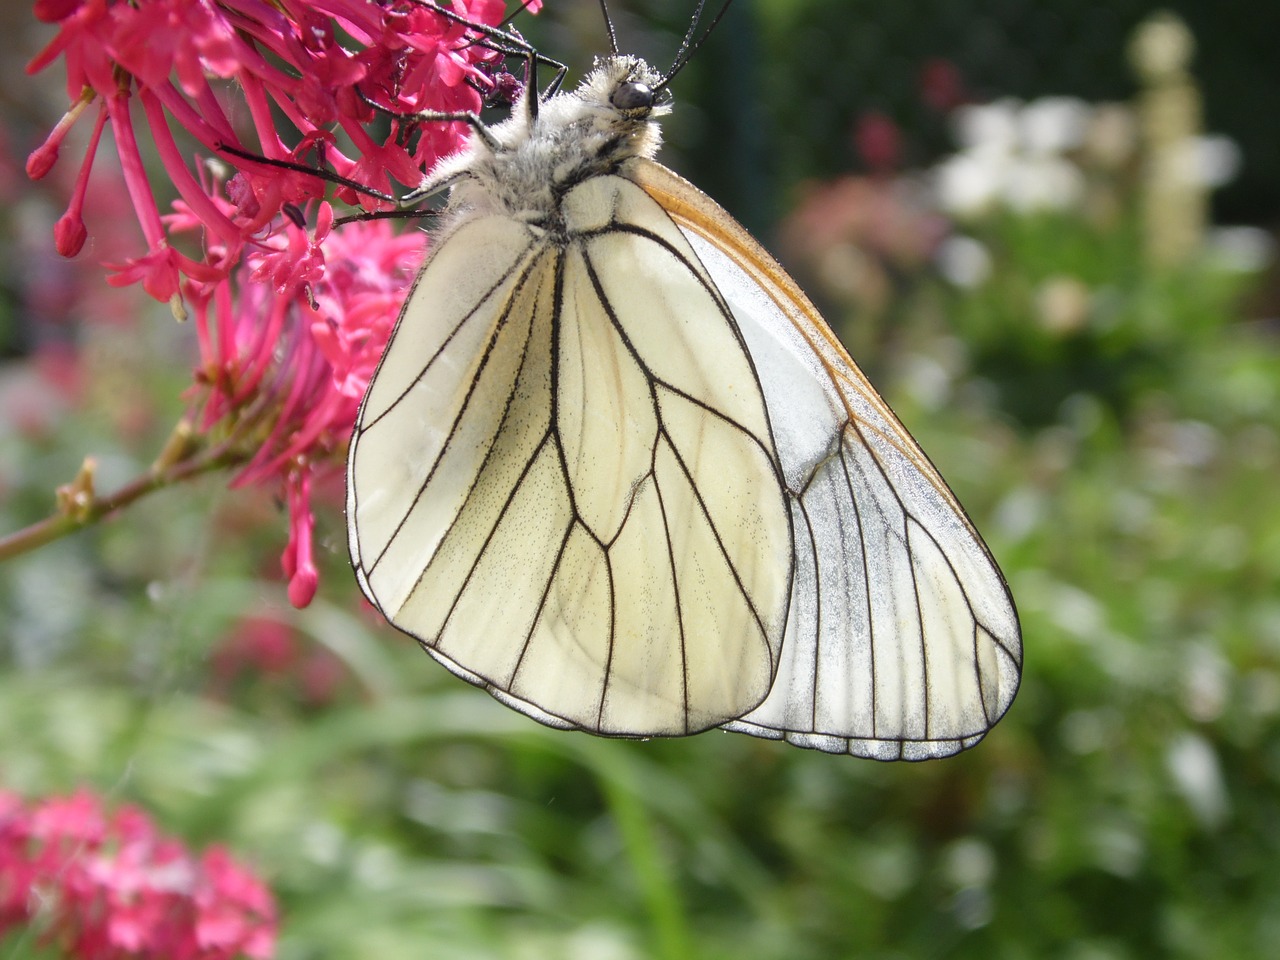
{"points": [[434, 405], [902, 641], [584, 513]]}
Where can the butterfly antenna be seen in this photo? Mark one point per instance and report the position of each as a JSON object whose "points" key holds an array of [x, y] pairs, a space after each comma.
{"points": [[689, 46], [608, 25], [689, 32]]}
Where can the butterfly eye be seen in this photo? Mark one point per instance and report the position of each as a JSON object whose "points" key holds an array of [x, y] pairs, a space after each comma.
{"points": [[632, 96]]}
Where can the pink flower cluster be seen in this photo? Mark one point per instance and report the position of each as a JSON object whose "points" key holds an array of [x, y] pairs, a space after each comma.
{"points": [[269, 653], [290, 369], [292, 313], [108, 886]]}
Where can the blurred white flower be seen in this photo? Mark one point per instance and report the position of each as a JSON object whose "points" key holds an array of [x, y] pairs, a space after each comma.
{"points": [[1206, 683], [927, 380], [1053, 125], [1210, 162], [968, 184], [988, 125], [963, 261], [1063, 304], [1117, 846], [1043, 183], [1020, 513], [1193, 765], [1011, 157], [968, 862], [1241, 249], [1112, 135]]}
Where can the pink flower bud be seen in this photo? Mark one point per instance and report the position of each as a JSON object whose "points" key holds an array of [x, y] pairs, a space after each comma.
{"points": [[303, 584], [42, 159], [878, 141], [69, 234], [51, 11]]}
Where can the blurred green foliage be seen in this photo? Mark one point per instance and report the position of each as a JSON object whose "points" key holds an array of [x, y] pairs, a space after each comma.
{"points": [[1122, 468], [838, 58]]}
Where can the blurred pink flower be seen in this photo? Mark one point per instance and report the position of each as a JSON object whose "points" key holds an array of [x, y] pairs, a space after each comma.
{"points": [[857, 234], [891, 221], [108, 886], [942, 86], [263, 645], [266, 651], [878, 142]]}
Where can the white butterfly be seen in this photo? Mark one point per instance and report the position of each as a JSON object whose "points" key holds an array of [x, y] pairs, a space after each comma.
{"points": [[615, 468]]}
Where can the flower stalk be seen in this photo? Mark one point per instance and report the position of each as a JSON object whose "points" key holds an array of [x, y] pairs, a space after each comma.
{"points": [[185, 455]]}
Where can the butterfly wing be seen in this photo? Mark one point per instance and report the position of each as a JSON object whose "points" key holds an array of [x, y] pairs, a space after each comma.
{"points": [[902, 641], [562, 480]]}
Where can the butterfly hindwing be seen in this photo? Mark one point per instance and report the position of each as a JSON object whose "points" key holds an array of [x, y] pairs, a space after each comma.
{"points": [[902, 640]]}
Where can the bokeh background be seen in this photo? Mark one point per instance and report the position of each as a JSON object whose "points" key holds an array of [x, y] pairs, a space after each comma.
{"points": [[1047, 230]]}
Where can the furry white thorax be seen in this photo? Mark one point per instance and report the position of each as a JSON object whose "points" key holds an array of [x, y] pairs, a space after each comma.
{"points": [[578, 134]]}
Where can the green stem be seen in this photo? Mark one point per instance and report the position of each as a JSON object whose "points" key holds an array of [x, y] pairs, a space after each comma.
{"points": [[79, 506], [657, 885]]}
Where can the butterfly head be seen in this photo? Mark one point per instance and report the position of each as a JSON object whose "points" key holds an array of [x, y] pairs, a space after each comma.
{"points": [[620, 101], [629, 86], [528, 161]]}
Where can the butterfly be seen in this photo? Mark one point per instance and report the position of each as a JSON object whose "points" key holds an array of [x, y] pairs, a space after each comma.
{"points": [[615, 469]]}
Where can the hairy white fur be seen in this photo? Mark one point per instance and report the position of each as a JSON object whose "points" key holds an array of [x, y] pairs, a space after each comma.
{"points": [[576, 135]]}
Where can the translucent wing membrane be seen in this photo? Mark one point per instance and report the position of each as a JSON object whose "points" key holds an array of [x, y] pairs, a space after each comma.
{"points": [[563, 481], [901, 640]]}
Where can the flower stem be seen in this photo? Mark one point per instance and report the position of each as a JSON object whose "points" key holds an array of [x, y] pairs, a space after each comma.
{"points": [[185, 455]]}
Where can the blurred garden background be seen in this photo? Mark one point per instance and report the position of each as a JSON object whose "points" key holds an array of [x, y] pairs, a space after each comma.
{"points": [[1047, 231]]}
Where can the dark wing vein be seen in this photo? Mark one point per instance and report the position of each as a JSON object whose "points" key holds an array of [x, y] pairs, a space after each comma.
{"points": [[733, 569], [613, 636], [696, 269], [466, 580], [866, 589], [653, 378], [675, 586], [817, 625], [542, 602], [447, 341], [499, 325]]}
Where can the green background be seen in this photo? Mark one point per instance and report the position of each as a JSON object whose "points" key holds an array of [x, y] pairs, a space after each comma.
{"points": [[1123, 472]]}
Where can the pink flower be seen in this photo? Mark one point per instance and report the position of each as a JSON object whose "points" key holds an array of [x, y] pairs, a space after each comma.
{"points": [[294, 258], [878, 142], [299, 354], [157, 271], [298, 564], [108, 886], [415, 58], [298, 60], [264, 651], [291, 313], [260, 645], [942, 85]]}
